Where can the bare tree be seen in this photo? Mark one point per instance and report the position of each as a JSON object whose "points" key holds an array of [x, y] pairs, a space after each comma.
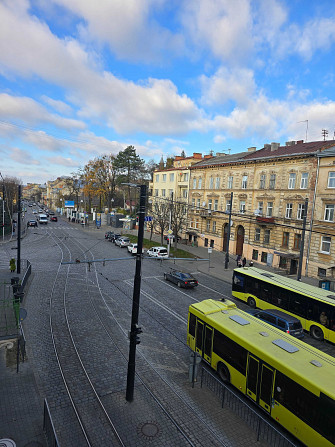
{"points": [[178, 218], [160, 213]]}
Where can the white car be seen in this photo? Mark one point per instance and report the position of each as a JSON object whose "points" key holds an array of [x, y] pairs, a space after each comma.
{"points": [[122, 241], [158, 252], [132, 248]]}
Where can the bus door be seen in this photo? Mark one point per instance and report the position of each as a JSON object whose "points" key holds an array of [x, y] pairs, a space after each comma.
{"points": [[199, 337], [208, 344], [252, 377], [266, 387]]}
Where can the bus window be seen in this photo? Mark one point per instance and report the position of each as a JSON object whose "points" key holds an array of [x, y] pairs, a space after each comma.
{"points": [[231, 352], [191, 325], [266, 292], [297, 304], [238, 282], [253, 286]]}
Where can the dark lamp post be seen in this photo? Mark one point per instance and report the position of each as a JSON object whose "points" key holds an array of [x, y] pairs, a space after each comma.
{"points": [[135, 330]]}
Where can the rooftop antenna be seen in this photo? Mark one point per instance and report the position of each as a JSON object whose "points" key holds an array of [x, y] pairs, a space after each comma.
{"points": [[305, 121], [324, 134], [229, 150]]}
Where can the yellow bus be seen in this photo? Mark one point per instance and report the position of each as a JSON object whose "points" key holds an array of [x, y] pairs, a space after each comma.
{"points": [[291, 381], [314, 307]]}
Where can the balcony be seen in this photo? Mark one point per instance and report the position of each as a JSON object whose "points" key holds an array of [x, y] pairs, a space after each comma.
{"points": [[206, 213], [265, 220]]}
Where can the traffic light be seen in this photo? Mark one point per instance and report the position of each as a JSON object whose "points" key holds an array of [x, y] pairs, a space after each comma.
{"points": [[137, 332]]}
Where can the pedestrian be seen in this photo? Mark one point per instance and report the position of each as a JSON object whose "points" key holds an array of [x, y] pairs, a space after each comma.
{"points": [[244, 261], [12, 265], [238, 261], [69, 218]]}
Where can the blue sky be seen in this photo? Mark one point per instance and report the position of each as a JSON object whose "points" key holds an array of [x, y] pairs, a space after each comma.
{"points": [[82, 78]]}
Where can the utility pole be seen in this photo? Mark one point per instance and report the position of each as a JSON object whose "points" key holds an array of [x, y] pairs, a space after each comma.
{"points": [[135, 329], [228, 233], [3, 210], [18, 266], [170, 221], [302, 243]]}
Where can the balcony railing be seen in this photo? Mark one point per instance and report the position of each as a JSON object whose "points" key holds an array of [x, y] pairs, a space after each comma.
{"points": [[265, 220]]}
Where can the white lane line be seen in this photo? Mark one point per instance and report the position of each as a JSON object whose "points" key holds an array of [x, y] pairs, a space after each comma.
{"points": [[213, 290], [163, 306], [177, 290]]}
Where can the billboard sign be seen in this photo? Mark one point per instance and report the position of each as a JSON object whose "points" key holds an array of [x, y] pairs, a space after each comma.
{"points": [[69, 203]]}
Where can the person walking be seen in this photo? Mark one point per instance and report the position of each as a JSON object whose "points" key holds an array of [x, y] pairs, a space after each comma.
{"points": [[244, 261], [12, 265], [238, 261]]}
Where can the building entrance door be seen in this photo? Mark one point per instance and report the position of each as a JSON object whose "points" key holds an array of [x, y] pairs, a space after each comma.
{"points": [[239, 240]]}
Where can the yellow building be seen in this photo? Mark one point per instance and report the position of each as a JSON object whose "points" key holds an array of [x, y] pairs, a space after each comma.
{"points": [[270, 187]]}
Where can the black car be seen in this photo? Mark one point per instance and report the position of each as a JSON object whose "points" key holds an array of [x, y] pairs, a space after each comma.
{"points": [[114, 236], [31, 223], [182, 279], [108, 234]]}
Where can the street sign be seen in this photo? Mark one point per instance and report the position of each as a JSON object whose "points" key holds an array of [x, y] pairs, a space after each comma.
{"points": [[210, 250], [170, 232]]}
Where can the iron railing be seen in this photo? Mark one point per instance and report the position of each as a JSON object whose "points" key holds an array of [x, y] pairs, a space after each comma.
{"points": [[48, 427]]}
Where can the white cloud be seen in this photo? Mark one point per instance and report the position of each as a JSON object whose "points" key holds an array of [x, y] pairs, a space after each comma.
{"points": [[237, 85], [59, 106], [64, 161], [22, 156]]}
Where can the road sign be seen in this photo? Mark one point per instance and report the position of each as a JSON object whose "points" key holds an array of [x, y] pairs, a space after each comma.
{"points": [[210, 250], [170, 232]]}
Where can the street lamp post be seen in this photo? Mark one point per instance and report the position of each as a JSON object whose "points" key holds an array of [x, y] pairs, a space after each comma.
{"points": [[135, 329]]}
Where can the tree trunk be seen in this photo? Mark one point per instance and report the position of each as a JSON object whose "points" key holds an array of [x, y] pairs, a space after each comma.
{"points": [[151, 231], [162, 236]]}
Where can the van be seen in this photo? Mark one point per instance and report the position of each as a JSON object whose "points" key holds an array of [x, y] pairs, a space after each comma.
{"points": [[158, 252], [43, 219], [280, 320]]}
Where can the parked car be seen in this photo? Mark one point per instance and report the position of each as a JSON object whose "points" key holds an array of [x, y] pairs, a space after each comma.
{"points": [[280, 320], [122, 241], [108, 234], [53, 219], [114, 237], [158, 252], [51, 213], [31, 223], [132, 248], [182, 279]]}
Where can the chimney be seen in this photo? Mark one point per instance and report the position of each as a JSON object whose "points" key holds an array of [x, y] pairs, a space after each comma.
{"points": [[290, 143], [178, 157], [208, 156], [252, 149], [220, 154], [197, 155], [300, 141], [274, 146], [267, 146]]}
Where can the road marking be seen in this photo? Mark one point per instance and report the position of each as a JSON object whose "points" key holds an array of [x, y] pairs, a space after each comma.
{"points": [[177, 289]]}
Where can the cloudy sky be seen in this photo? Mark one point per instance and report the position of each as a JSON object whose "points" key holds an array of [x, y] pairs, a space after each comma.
{"points": [[81, 78]]}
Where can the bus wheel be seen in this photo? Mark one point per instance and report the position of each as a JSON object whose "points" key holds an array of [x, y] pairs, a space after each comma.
{"points": [[223, 373], [317, 332], [251, 302]]}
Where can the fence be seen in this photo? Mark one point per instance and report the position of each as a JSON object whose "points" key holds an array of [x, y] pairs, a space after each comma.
{"points": [[264, 429], [48, 427], [26, 275]]}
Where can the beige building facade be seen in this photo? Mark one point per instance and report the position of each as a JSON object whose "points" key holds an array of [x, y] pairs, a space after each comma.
{"points": [[271, 188]]}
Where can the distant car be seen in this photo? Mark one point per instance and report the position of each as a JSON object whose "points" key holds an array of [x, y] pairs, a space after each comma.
{"points": [[31, 223], [40, 210], [280, 320], [132, 248], [53, 219], [51, 213], [158, 252], [108, 234], [114, 237], [124, 242], [34, 212], [182, 279]]}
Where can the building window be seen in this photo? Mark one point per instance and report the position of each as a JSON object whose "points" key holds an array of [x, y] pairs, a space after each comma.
{"points": [[228, 206], [244, 182], [157, 177], [304, 180], [264, 256], [322, 272], [266, 236], [301, 210], [185, 193], [208, 225], [194, 183], [288, 212], [156, 192], [230, 182], [171, 177], [272, 183], [197, 224], [262, 181], [216, 204], [325, 244], [329, 213], [217, 183], [242, 206], [163, 192], [291, 180], [164, 178], [255, 255], [286, 237], [193, 202], [269, 209], [198, 203], [260, 208], [331, 180], [211, 183], [297, 242], [186, 177], [209, 204], [257, 234], [200, 183], [214, 226]]}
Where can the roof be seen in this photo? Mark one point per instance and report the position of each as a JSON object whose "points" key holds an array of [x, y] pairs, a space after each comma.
{"points": [[220, 160], [290, 150]]}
